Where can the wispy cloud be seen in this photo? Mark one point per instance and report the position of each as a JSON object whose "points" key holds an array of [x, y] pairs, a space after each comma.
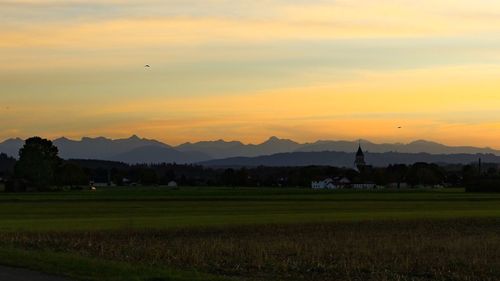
{"points": [[248, 68]]}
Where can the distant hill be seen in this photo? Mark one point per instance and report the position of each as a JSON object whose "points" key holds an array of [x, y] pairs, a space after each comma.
{"points": [[130, 150], [101, 148], [223, 149], [215, 149], [412, 147], [158, 154], [141, 150], [11, 147], [344, 159]]}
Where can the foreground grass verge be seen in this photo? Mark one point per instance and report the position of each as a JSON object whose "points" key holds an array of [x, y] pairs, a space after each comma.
{"points": [[77, 267], [416, 250]]}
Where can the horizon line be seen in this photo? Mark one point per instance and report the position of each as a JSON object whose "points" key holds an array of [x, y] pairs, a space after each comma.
{"points": [[249, 143]]}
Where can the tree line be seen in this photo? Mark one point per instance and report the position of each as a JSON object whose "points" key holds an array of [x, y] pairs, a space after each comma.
{"points": [[39, 168]]}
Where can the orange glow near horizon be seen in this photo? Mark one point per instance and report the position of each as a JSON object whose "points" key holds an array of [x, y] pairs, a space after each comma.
{"points": [[237, 70]]}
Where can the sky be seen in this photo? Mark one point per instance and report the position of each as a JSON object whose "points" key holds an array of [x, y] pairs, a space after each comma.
{"points": [[250, 69]]}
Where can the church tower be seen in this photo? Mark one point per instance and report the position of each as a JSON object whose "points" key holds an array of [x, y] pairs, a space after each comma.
{"points": [[360, 159]]}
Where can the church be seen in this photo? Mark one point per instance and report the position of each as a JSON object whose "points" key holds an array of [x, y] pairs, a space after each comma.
{"points": [[359, 162], [344, 182]]}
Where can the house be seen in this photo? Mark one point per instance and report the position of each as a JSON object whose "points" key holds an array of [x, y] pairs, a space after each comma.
{"points": [[324, 184], [344, 182], [363, 186], [101, 184], [397, 185], [329, 183]]}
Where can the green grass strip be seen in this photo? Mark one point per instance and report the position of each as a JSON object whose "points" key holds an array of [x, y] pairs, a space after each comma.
{"points": [[87, 269]]}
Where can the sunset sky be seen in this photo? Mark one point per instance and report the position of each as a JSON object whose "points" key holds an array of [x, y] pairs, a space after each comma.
{"points": [[250, 69]]}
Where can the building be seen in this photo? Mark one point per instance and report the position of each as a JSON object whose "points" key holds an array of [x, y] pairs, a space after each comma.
{"points": [[397, 185], [343, 182], [329, 183], [366, 185], [359, 162], [324, 184]]}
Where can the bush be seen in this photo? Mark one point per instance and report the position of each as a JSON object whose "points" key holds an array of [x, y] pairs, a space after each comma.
{"points": [[16, 185], [484, 185]]}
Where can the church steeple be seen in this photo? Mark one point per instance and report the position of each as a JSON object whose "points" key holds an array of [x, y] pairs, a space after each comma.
{"points": [[360, 158]]}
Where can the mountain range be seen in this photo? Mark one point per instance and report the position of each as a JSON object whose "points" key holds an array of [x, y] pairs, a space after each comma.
{"points": [[346, 159], [140, 150]]}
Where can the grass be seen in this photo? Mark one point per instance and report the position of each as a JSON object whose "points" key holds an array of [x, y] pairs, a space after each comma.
{"points": [[213, 193], [92, 269], [190, 207], [255, 234], [461, 249]]}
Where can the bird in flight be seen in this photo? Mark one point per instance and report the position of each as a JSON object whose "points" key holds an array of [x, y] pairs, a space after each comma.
{"points": [[147, 65], [400, 127]]}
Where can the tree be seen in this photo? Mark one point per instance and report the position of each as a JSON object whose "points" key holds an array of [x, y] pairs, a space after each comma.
{"points": [[396, 173], [38, 163], [425, 174], [148, 176], [7, 164], [70, 174]]}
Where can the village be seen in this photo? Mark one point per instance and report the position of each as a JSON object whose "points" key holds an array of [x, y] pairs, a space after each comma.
{"points": [[360, 165], [362, 175]]}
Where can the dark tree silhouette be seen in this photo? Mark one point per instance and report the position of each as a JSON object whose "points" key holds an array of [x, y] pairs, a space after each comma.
{"points": [[38, 163], [425, 174], [72, 175], [396, 173], [7, 164], [148, 176]]}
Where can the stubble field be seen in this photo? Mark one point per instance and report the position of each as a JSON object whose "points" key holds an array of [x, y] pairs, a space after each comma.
{"points": [[253, 234]]}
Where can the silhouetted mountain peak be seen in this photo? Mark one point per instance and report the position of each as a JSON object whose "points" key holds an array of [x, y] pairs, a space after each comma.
{"points": [[62, 140], [221, 141], [13, 141], [159, 154], [96, 139], [101, 148], [424, 142], [210, 143], [276, 140], [11, 146], [363, 141]]}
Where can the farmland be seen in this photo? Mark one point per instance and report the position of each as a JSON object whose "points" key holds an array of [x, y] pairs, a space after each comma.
{"points": [[156, 233]]}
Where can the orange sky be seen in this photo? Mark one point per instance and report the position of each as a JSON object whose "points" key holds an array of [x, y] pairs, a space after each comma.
{"points": [[246, 70]]}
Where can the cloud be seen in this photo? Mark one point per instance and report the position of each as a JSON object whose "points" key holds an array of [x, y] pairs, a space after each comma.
{"points": [[152, 23], [370, 106], [311, 69]]}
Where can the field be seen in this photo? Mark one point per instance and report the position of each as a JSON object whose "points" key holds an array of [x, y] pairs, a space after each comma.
{"points": [[155, 233]]}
